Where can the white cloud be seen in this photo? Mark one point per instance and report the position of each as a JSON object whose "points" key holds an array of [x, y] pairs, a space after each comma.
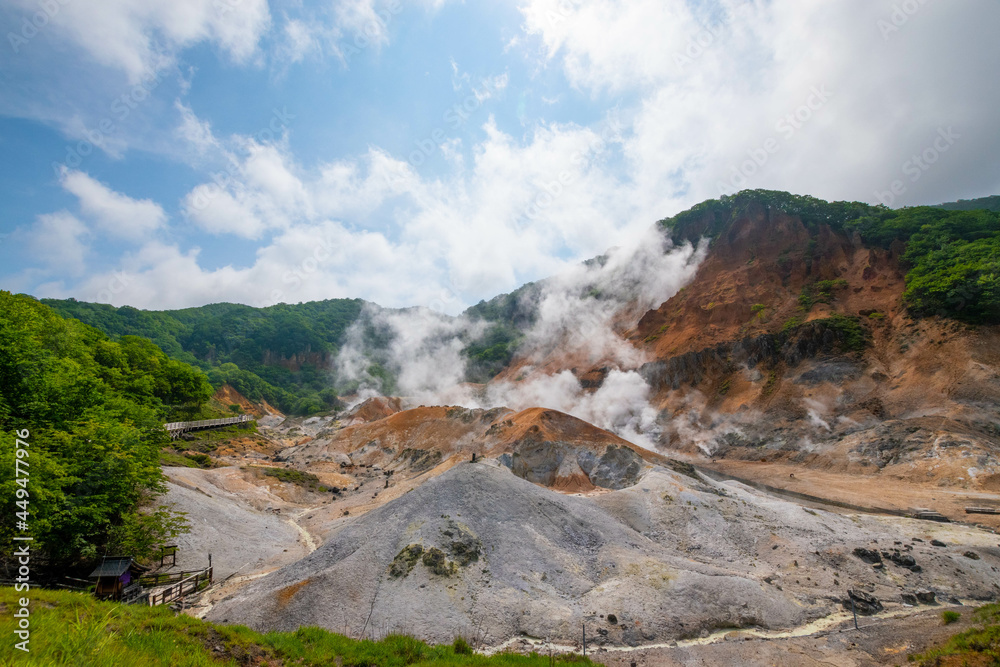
{"points": [[195, 132], [702, 94], [343, 28], [305, 263], [115, 213], [141, 37], [517, 210], [59, 241], [301, 39], [217, 211], [714, 80]]}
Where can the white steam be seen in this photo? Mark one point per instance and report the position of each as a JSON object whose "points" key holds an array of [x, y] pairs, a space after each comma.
{"points": [[581, 316]]}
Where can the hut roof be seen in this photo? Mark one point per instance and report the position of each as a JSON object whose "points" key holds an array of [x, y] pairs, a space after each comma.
{"points": [[115, 567]]}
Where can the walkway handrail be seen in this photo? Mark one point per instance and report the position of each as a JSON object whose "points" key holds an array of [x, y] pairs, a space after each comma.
{"points": [[190, 584], [204, 423]]}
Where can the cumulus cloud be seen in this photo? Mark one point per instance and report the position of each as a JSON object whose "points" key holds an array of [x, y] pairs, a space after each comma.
{"points": [[59, 240], [116, 214], [519, 209], [140, 37], [714, 81]]}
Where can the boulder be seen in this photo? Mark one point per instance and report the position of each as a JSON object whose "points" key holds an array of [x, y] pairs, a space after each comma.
{"points": [[862, 602], [869, 556]]}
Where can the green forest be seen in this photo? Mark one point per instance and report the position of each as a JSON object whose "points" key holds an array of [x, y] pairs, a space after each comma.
{"points": [[281, 354], [953, 259], [284, 354], [94, 410]]}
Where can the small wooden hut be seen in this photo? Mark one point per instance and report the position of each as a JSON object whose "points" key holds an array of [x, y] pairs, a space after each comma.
{"points": [[116, 576]]}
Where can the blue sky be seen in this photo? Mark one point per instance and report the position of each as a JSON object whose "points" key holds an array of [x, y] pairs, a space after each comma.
{"points": [[172, 153]]}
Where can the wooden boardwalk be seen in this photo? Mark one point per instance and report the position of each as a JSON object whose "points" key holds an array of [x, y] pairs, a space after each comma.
{"points": [[982, 510], [175, 429], [181, 584]]}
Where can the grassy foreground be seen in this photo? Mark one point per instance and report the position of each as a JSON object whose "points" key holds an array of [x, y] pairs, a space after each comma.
{"points": [[75, 629], [976, 647]]}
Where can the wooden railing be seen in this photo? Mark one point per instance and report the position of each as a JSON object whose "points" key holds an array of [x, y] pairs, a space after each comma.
{"points": [[151, 580], [176, 428], [186, 586]]}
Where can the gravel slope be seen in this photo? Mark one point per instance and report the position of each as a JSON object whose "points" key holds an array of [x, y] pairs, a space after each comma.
{"points": [[479, 551], [226, 524]]}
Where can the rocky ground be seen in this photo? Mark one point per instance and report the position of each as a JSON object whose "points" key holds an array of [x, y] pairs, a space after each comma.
{"points": [[559, 524], [246, 527], [479, 552], [878, 641]]}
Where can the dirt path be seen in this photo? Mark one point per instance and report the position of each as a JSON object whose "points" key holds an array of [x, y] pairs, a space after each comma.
{"points": [[208, 598], [886, 639], [883, 640], [305, 535], [818, 627]]}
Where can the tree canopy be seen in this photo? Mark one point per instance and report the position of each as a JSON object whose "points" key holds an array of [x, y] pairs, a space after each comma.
{"points": [[95, 410]]}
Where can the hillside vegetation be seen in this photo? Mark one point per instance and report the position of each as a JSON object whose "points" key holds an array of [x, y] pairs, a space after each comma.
{"points": [[977, 646], [95, 410], [952, 256], [284, 353], [953, 259], [279, 354], [74, 629]]}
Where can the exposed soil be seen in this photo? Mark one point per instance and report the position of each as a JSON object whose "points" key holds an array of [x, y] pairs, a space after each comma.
{"points": [[670, 557], [879, 641], [876, 491]]}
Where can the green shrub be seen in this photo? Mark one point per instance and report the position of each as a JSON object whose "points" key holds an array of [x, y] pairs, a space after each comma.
{"points": [[950, 617], [791, 323], [979, 645], [306, 480], [461, 646]]}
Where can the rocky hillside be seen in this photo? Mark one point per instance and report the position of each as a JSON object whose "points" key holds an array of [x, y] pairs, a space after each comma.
{"points": [[480, 553], [798, 340], [542, 446]]}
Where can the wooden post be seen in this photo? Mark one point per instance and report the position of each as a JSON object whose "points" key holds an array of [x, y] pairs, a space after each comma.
{"points": [[584, 640], [855, 611]]}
